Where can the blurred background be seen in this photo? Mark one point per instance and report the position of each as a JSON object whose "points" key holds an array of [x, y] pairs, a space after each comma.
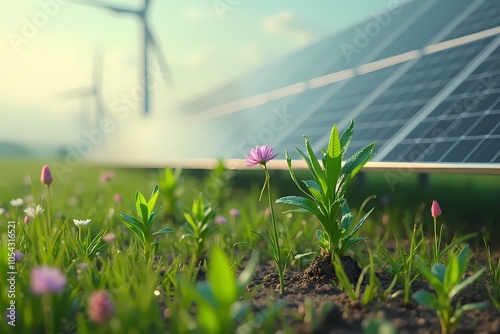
{"points": [[66, 65], [421, 78]]}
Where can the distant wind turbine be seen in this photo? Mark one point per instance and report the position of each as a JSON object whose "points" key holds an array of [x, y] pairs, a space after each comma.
{"points": [[94, 91], [148, 42]]}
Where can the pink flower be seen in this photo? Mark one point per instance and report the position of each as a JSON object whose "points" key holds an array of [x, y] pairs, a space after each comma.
{"points": [[117, 198], [45, 279], [234, 212], [109, 237], [101, 306], [106, 176], [435, 209], [27, 219], [260, 155], [46, 176], [221, 220]]}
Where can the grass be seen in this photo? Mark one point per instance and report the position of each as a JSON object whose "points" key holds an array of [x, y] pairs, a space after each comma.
{"points": [[148, 296]]}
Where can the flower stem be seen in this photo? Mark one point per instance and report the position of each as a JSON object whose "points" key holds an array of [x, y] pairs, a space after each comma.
{"points": [[49, 212], [277, 249], [436, 247]]}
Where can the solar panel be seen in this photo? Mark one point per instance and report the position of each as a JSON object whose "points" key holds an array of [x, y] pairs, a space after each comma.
{"points": [[464, 121], [426, 90]]}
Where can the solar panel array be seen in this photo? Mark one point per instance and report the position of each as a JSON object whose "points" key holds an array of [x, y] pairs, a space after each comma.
{"points": [[426, 88]]}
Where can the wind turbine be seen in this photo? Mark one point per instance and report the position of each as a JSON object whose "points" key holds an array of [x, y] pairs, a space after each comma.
{"points": [[148, 42], [94, 91]]}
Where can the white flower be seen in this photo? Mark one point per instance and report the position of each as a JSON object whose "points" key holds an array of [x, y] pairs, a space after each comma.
{"points": [[16, 202], [33, 212], [81, 222], [2, 211]]}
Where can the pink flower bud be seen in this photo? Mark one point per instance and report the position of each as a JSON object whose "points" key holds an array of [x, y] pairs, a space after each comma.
{"points": [[435, 209], [46, 176], [27, 219], [101, 307], [117, 198]]}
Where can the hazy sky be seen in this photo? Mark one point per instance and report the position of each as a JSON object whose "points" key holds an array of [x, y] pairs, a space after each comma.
{"points": [[47, 47]]}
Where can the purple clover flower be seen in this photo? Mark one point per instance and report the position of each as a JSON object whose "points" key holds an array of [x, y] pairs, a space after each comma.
{"points": [[221, 220], [101, 306], [234, 212], [260, 155], [45, 279]]}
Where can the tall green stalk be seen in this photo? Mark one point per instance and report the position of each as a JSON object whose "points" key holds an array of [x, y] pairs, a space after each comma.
{"points": [[276, 246]]}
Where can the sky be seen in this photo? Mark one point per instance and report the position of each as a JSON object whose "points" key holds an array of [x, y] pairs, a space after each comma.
{"points": [[47, 47]]}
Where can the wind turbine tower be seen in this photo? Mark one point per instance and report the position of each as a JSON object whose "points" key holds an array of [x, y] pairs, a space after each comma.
{"points": [[148, 42]]}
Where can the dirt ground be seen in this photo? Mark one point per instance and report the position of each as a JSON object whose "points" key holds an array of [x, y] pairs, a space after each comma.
{"points": [[346, 316]]}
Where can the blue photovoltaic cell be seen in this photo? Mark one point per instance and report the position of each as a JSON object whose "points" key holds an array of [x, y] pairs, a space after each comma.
{"points": [[463, 127]]}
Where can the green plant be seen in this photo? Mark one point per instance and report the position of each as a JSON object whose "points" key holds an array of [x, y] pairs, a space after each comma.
{"points": [[218, 300], [325, 192], [378, 326], [371, 290], [141, 226], [494, 291], [199, 228], [314, 317], [447, 283], [169, 188], [403, 268]]}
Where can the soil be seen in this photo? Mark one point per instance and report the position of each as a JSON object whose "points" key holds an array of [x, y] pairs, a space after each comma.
{"points": [[341, 315]]}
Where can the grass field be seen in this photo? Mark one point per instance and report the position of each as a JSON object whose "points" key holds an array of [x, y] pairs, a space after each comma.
{"points": [[156, 292]]}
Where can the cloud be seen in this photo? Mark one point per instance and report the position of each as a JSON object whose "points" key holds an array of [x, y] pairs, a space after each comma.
{"points": [[287, 24]]}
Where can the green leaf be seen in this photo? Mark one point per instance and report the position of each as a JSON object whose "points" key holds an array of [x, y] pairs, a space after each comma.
{"points": [[462, 259], [292, 174], [130, 219], [164, 230], [318, 173], [222, 278], [349, 243], [300, 256], [246, 275], [352, 166], [314, 189], [346, 217], [439, 271], [144, 214], [426, 299], [136, 230], [435, 282], [361, 222], [154, 197], [452, 275], [345, 139], [333, 161], [462, 285], [468, 307], [310, 166], [304, 203], [139, 199]]}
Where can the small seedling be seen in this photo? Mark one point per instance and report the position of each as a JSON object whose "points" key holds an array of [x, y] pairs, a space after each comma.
{"points": [[199, 229], [447, 283], [219, 308], [144, 209]]}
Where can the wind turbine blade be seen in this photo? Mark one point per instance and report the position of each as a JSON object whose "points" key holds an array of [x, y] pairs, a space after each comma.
{"points": [[161, 58]]}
